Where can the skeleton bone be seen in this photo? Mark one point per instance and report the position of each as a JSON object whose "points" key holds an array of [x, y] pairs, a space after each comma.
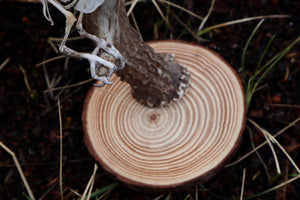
{"points": [[97, 64]]}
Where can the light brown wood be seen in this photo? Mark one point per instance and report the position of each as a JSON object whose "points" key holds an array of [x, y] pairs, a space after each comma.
{"points": [[173, 146]]}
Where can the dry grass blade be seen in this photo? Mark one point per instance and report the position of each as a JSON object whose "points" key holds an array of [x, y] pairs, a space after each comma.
{"points": [[60, 150], [264, 143], [240, 21], [283, 105], [159, 197], [88, 188], [184, 24], [4, 63], [69, 86], [257, 153], [51, 41], [268, 139], [25, 78], [19, 169], [196, 192], [284, 151], [136, 26], [134, 2], [24, 1], [48, 190], [273, 140], [181, 8], [274, 188], [207, 16], [50, 60], [161, 13], [243, 184]]}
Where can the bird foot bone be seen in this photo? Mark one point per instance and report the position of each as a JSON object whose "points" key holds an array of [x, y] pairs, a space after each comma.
{"points": [[101, 68]]}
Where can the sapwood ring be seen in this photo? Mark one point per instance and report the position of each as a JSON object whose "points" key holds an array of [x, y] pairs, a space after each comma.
{"points": [[160, 148]]}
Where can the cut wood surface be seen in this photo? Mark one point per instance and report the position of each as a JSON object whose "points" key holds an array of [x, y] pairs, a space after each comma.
{"points": [[185, 142]]}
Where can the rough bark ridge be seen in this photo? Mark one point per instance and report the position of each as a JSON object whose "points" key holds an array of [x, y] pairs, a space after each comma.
{"points": [[155, 79]]}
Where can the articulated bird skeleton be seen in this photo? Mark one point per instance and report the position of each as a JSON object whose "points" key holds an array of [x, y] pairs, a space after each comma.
{"points": [[101, 69]]}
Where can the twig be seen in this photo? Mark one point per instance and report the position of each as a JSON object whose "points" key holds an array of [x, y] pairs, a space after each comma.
{"points": [[19, 169], [60, 150], [4, 63]]}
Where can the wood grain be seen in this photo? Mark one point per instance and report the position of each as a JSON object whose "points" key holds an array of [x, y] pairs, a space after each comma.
{"points": [[172, 146]]}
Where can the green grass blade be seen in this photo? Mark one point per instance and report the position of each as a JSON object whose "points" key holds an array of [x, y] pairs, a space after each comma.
{"points": [[246, 47], [264, 52], [276, 59], [169, 196], [273, 188], [104, 189]]}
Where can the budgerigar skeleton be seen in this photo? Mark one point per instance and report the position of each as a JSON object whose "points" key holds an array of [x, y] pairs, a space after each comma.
{"points": [[101, 69]]}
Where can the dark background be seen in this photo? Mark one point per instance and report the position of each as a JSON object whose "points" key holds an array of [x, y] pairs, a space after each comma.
{"points": [[29, 123]]}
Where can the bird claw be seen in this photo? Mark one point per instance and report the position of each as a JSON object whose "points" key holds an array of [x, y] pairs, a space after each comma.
{"points": [[103, 84], [101, 69]]}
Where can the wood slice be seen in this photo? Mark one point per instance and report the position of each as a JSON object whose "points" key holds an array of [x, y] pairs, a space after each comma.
{"points": [[161, 148]]}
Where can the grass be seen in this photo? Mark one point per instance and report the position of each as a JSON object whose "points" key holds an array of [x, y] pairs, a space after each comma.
{"points": [[252, 85]]}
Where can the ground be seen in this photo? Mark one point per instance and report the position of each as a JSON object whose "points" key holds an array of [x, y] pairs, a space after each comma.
{"points": [[29, 113]]}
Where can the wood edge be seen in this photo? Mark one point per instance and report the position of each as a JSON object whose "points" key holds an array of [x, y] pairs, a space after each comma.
{"points": [[172, 187]]}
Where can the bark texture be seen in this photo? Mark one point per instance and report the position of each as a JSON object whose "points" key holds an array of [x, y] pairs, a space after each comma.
{"points": [[156, 79]]}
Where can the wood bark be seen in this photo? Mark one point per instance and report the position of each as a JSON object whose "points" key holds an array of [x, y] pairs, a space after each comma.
{"points": [[156, 79]]}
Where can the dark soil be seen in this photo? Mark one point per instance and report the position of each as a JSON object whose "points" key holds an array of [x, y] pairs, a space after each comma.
{"points": [[29, 123]]}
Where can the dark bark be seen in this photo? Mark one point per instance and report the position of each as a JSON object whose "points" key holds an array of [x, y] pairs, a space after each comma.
{"points": [[155, 79]]}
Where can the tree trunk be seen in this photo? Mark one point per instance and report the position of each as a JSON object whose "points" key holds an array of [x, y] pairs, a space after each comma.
{"points": [[156, 79]]}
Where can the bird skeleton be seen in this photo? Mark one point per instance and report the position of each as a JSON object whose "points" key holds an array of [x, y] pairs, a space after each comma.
{"points": [[101, 68]]}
